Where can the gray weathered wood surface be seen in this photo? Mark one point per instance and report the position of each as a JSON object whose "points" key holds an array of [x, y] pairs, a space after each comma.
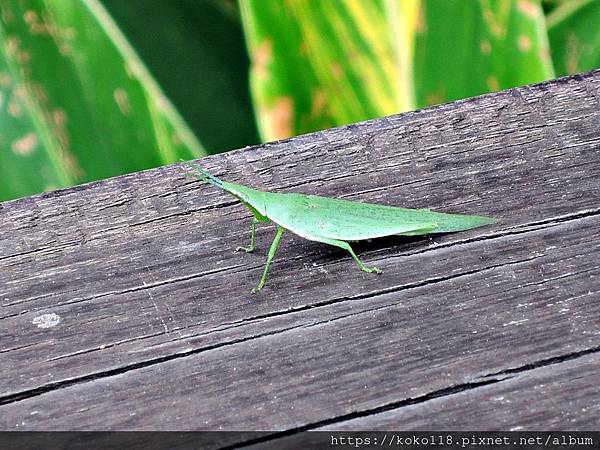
{"points": [[123, 305]]}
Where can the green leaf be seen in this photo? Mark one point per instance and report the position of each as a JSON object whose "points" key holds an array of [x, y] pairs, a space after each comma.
{"points": [[469, 47], [78, 105], [196, 52], [320, 64], [574, 36]]}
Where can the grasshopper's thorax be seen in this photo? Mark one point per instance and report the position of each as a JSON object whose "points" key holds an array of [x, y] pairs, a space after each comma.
{"points": [[249, 196]]}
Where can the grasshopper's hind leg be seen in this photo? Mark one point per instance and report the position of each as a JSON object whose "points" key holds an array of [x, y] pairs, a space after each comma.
{"points": [[346, 246], [252, 245]]}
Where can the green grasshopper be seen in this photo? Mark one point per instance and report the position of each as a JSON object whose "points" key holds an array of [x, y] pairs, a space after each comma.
{"points": [[334, 221]]}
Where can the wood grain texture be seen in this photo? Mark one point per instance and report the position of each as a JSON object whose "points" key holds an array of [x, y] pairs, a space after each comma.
{"points": [[566, 391], [123, 305]]}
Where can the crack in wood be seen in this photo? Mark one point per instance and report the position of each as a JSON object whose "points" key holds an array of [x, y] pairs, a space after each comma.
{"points": [[49, 387]]}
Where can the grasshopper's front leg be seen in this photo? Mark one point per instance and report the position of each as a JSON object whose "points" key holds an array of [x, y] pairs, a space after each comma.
{"points": [[270, 256], [252, 245]]}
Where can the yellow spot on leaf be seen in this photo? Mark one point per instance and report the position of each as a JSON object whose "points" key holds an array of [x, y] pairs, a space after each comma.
{"points": [[262, 57], [25, 145], [279, 118], [524, 43], [485, 46], [492, 83], [122, 100]]}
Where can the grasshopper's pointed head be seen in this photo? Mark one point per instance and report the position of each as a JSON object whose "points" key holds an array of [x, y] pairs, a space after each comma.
{"points": [[252, 198]]}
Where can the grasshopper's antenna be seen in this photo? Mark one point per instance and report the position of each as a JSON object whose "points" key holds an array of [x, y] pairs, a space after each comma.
{"points": [[202, 174]]}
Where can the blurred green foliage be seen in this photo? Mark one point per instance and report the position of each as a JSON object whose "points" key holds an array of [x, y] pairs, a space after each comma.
{"points": [[77, 103], [86, 92], [573, 29], [321, 64], [504, 45], [195, 49]]}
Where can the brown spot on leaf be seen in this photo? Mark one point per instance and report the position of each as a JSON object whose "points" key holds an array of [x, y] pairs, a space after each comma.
{"points": [[421, 26], [492, 83], [122, 100], [176, 139], [280, 118], [25, 145], [337, 70], [162, 103], [36, 26], [262, 57], [319, 103], [485, 47], [492, 23], [30, 16], [7, 15], [39, 92], [573, 54], [69, 32], [59, 117], [12, 46], [14, 108], [435, 97], [529, 8], [524, 43], [544, 54], [5, 79], [23, 56], [65, 50], [303, 48]]}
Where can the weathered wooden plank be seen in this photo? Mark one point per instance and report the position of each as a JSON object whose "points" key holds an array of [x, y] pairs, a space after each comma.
{"points": [[558, 396], [155, 308], [375, 349]]}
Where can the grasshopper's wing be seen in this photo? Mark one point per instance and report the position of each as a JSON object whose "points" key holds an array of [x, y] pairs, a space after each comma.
{"points": [[314, 217]]}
